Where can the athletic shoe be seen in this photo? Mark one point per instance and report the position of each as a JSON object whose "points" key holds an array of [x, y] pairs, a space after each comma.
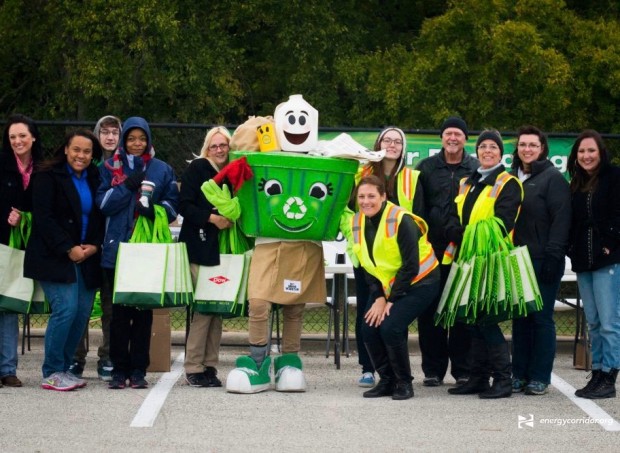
{"points": [[58, 381], [104, 370], [137, 380], [76, 369], [367, 380], [211, 375], [118, 381], [518, 385], [432, 381], [289, 374], [81, 383], [535, 388], [247, 378], [197, 380]]}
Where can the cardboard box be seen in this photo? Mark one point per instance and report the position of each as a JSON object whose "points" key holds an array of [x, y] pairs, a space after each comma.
{"points": [[161, 349]]}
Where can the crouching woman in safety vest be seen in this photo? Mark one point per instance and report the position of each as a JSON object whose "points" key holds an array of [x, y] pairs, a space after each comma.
{"points": [[401, 269]]}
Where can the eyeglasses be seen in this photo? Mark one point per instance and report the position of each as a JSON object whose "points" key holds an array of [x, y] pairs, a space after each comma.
{"points": [[528, 145], [114, 132], [389, 141], [489, 147], [223, 147]]}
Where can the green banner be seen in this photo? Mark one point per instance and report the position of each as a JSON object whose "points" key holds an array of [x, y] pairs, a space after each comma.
{"points": [[420, 146]]}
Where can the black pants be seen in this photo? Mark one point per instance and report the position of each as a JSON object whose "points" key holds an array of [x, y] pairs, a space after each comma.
{"points": [[438, 345], [130, 337], [362, 292], [394, 329]]}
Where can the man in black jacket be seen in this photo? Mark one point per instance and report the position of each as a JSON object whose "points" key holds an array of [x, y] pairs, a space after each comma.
{"points": [[440, 176]]}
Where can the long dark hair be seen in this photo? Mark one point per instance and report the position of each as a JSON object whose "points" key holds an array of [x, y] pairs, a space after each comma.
{"points": [[378, 167], [530, 130], [580, 180], [60, 156], [18, 118]]}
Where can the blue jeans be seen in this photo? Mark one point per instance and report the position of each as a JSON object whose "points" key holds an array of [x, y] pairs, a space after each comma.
{"points": [[600, 292], [9, 332], [533, 337], [71, 304]]}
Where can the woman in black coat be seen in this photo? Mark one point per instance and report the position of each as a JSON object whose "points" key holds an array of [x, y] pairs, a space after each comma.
{"points": [[63, 250], [21, 151], [200, 230], [542, 226]]}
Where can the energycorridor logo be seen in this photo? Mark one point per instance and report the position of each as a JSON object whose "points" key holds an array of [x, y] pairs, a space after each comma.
{"points": [[528, 421]]}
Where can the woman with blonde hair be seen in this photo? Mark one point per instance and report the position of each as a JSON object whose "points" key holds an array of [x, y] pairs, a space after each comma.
{"points": [[200, 230]]}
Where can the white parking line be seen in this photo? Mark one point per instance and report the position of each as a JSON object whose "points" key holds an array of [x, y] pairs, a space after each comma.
{"points": [[148, 412], [588, 406]]}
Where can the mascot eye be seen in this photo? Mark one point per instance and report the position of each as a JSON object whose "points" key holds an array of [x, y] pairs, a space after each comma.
{"points": [[291, 119], [302, 120], [271, 187], [319, 190]]}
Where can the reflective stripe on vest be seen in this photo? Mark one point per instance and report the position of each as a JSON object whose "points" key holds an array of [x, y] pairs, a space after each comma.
{"points": [[484, 207], [406, 182]]}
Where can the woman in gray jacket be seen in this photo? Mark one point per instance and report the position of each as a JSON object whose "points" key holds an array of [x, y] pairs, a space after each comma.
{"points": [[543, 226]]}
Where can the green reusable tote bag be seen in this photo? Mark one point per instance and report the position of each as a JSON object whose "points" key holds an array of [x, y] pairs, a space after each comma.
{"points": [[218, 288], [140, 275], [15, 290]]}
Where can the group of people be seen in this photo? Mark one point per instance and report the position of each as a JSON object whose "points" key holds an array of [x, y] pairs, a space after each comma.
{"points": [[84, 202], [433, 205]]}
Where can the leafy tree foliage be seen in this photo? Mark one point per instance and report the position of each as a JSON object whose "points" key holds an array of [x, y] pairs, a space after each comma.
{"points": [[498, 63]]}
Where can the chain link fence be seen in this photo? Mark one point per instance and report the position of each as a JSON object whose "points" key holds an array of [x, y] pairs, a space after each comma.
{"points": [[176, 144]]}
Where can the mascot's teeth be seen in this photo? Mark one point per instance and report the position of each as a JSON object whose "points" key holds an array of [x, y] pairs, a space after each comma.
{"points": [[300, 205]]}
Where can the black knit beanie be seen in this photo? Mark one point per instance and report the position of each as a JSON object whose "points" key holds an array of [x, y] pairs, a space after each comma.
{"points": [[491, 135], [455, 121]]}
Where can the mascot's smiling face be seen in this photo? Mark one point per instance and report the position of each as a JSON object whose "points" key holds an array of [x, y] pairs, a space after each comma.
{"points": [[296, 128], [297, 125], [298, 208]]}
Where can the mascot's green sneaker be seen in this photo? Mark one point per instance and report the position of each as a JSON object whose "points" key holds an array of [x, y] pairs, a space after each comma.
{"points": [[289, 377], [247, 378]]}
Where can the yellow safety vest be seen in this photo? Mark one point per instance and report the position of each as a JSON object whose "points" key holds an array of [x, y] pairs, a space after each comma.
{"points": [[406, 183], [386, 254], [484, 207]]}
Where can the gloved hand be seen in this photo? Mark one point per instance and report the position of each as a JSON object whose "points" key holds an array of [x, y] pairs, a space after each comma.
{"points": [[550, 270], [147, 211], [221, 199], [134, 180]]}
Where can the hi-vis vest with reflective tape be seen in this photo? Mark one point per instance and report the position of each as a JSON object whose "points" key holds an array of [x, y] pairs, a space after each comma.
{"points": [[386, 254], [484, 207], [406, 183]]}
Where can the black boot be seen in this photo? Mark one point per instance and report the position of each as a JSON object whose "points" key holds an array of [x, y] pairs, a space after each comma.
{"points": [[606, 387], [499, 360], [379, 358], [595, 377], [401, 366], [479, 375]]}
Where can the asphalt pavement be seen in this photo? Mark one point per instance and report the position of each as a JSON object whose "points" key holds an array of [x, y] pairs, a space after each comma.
{"points": [[331, 415]]}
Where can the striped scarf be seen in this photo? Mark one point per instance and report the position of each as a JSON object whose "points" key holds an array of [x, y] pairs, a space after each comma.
{"points": [[118, 177]]}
